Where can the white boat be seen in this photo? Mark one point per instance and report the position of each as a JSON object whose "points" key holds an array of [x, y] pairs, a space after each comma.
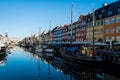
{"points": [[49, 50], [39, 50], [3, 47], [48, 55], [117, 43]]}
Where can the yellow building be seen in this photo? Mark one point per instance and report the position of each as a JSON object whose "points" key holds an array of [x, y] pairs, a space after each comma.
{"points": [[106, 23], [98, 31], [112, 28]]}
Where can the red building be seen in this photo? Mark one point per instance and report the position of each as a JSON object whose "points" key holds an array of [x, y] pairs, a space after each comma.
{"points": [[65, 33], [81, 29]]}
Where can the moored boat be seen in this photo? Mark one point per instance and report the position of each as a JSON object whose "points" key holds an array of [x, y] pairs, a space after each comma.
{"points": [[48, 55], [3, 47], [83, 59], [49, 50], [82, 56]]}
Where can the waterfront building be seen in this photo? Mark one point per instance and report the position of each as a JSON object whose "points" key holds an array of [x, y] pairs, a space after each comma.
{"points": [[45, 36], [65, 33], [72, 32], [57, 34], [36, 38], [81, 29], [106, 27], [1, 38], [54, 34], [99, 16], [14, 40], [112, 22], [101, 23], [89, 28]]}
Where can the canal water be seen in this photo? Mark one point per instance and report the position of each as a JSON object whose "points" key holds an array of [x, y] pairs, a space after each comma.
{"points": [[20, 64]]}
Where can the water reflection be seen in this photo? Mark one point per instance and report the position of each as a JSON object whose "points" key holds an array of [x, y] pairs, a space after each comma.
{"points": [[3, 59], [75, 71], [22, 64], [46, 63], [80, 72]]}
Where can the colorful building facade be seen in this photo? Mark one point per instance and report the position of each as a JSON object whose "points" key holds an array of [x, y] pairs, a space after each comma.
{"points": [[112, 22], [106, 25], [57, 34], [81, 29], [65, 33]]}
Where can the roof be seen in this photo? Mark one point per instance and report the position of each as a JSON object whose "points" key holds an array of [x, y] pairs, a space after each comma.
{"points": [[1, 35], [36, 35], [45, 32], [103, 11]]}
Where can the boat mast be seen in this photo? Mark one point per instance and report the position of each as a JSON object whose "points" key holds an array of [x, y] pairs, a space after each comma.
{"points": [[38, 62], [93, 18], [48, 71], [39, 35], [71, 26]]}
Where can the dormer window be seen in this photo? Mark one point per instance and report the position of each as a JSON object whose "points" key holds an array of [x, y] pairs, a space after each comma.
{"points": [[88, 19], [100, 16], [110, 13], [103, 10], [96, 12]]}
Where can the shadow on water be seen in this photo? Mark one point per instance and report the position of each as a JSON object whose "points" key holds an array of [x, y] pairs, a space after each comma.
{"points": [[80, 72], [3, 59], [74, 70], [111, 69]]}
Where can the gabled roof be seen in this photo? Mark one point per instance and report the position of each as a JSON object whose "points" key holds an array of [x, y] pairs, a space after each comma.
{"points": [[37, 35], [1, 35], [45, 32]]}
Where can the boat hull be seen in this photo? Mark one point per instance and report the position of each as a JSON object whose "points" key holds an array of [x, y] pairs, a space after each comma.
{"points": [[48, 50], [82, 61]]}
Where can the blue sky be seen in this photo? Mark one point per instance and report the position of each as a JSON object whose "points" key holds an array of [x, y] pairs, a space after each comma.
{"points": [[21, 18]]}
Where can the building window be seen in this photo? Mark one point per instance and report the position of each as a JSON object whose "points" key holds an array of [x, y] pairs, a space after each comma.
{"points": [[118, 10], [118, 29], [107, 31], [90, 25], [100, 16], [107, 38], [88, 19], [95, 24], [103, 10], [101, 22], [112, 20], [113, 38], [102, 30], [110, 13], [98, 23], [107, 22], [118, 38], [118, 19], [96, 12], [87, 26], [112, 30]]}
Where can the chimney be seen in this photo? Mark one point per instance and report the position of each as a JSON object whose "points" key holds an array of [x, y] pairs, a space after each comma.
{"points": [[104, 4]]}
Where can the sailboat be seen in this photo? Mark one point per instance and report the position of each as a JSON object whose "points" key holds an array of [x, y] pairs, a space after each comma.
{"points": [[3, 44], [48, 51], [40, 49], [79, 57]]}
